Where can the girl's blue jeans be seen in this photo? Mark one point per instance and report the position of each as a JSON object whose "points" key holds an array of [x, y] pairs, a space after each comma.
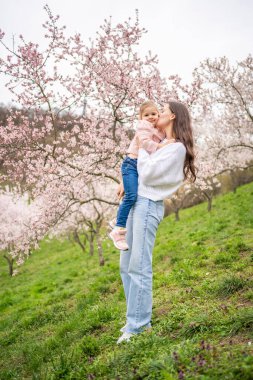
{"points": [[136, 263], [130, 181]]}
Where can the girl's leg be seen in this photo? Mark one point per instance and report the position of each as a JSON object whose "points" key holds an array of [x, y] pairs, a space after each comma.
{"points": [[130, 181], [126, 255], [147, 215]]}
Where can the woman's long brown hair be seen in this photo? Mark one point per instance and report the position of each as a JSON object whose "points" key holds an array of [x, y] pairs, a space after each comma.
{"points": [[182, 129]]}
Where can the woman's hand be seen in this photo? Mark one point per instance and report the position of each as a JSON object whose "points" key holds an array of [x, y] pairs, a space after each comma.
{"points": [[120, 191]]}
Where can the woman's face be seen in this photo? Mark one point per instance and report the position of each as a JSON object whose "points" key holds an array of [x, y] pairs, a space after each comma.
{"points": [[166, 116]]}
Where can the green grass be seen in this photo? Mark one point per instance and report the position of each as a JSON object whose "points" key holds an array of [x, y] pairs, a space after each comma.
{"points": [[60, 316]]}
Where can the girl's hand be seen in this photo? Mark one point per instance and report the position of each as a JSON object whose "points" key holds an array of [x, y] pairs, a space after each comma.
{"points": [[139, 142], [120, 191]]}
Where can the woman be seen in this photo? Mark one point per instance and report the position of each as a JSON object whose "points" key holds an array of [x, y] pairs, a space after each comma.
{"points": [[160, 175]]}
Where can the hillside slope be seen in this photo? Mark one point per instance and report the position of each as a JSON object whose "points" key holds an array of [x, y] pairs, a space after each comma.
{"points": [[61, 315]]}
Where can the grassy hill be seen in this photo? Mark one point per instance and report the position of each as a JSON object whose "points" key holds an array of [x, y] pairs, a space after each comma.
{"points": [[60, 316]]}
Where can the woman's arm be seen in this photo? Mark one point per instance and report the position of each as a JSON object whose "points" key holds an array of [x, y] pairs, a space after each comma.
{"points": [[163, 167]]}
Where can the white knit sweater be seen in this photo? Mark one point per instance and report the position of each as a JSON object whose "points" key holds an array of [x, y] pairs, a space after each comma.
{"points": [[161, 173]]}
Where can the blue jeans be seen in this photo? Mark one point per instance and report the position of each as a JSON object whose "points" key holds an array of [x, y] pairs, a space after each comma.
{"points": [[136, 263], [130, 181]]}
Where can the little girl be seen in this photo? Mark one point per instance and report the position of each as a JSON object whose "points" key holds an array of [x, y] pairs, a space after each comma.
{"points": [[150, 137]]}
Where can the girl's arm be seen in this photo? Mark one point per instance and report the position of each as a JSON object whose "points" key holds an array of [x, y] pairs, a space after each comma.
{"points": [[144, 134], [120, 191]]}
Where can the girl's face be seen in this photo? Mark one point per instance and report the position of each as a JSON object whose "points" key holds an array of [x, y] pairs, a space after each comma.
{"points": [[150, 114], [166, 116]]}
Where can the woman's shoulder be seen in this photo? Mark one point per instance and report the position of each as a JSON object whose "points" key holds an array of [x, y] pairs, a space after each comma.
{"points": [[177, 146], [180, 146]]}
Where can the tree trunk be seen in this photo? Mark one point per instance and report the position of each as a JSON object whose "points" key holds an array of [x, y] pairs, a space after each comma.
{"points": [[100, 251], [71, 238], [10, 263], [91, 243], [177, 215], [209, 201], [234, 181], [209, 204], [78, 241], [234, 187]]}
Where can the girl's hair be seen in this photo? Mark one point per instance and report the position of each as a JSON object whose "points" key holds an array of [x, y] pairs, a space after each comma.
{"points": [[182, 129], [145, 105]]}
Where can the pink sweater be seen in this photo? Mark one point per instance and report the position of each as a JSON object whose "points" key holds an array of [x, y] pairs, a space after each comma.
{"points": [[148, 135]]}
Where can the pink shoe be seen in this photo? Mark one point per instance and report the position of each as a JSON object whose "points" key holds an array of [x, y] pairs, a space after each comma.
{"points": [[112, 223], [119, 239]]}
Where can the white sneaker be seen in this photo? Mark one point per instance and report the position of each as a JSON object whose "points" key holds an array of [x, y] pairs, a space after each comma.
{"points": [[123, 328], [146, 329], [125, 337]]}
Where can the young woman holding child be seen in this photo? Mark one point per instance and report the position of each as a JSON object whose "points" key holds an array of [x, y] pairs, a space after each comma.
{"points": [[160, 174], [150, 137]]}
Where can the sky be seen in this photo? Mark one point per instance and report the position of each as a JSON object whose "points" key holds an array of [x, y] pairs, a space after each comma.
{"points": [[181, 32]]}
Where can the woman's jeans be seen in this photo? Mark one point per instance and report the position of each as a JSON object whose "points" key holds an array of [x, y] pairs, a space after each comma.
{"points": [[136, 263], [130, 181]]}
